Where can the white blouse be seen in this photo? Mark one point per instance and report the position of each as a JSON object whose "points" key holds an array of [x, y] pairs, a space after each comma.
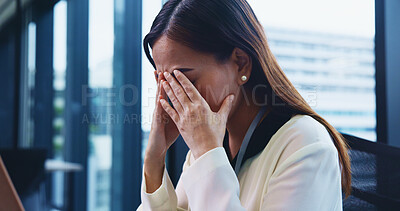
{"points": [[297, 170]]}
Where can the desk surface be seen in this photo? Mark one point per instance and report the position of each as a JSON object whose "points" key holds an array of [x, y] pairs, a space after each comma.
{"points": [[59, 165]]}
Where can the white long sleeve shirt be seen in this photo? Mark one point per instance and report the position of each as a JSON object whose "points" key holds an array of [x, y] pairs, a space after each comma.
{"points": [[298, 169]]}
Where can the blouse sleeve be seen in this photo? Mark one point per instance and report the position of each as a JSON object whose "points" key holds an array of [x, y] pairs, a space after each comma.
{"points": [[165, 197], [309, 179], [211, 184], [210, 178]]}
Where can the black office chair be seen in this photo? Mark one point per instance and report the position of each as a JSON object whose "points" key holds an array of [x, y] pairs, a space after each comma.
{"points": [[375, 176], [26, 170]]}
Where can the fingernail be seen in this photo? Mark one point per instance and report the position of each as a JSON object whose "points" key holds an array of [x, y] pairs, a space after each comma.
{"points": [[176, 71], [166, 74], [232, 97]]}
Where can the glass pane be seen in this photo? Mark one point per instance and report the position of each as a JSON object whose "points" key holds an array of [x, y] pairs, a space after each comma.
{"points": [[59, 66], [101, 50], [326, 48], [28, 71]]}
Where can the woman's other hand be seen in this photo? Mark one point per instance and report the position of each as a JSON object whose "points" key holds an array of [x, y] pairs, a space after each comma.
{"points": [[201, 128], [163, 134]]}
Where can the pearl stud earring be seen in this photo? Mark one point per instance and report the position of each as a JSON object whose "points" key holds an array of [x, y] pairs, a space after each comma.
{"points": [[244, 78]]}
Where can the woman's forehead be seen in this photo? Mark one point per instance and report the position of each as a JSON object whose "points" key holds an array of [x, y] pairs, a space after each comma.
{"points": [[167, 52]]}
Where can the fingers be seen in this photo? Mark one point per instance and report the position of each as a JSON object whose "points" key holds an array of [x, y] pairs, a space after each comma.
{"points": [[158, 109], [170, 111], [177, 89], [155, 75], [172, 96], [189, 88], [158, 97], [158, 91], [162, 91]]}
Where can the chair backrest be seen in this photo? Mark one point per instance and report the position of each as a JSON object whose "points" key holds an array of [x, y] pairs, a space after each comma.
{"points": [[375, 175], [26, 169], [9, 199]]}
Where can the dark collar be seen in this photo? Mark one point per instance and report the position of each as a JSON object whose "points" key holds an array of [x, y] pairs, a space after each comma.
{"points": [[274, 120]]}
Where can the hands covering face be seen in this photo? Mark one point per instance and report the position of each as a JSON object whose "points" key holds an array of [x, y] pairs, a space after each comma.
{"points": [[201, 128]]}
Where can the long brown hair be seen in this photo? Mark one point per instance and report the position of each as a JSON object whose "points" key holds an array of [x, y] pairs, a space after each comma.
{"points": [[217, 27]]}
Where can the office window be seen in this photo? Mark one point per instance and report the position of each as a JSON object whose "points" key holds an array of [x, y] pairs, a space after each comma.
{"points": [[100, 99], [101, 41], [59, 68], [97, 95], [28, 70], [326, 48]]}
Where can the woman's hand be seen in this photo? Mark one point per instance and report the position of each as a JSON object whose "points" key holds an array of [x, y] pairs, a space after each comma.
{"points": [[201, 128], [163, 132]]}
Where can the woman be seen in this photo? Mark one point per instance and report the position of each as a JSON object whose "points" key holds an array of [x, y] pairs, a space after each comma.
{"points": [[255, 144]]}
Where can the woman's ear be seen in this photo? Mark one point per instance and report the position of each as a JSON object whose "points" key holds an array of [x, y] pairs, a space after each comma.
{"points": [[244, 65]]}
